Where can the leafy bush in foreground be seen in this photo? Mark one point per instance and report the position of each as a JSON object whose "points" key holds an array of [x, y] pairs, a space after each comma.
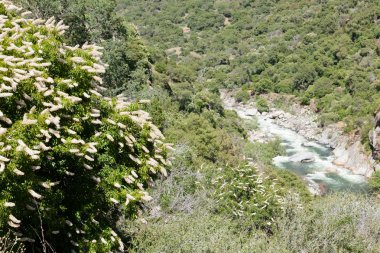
{"points": [[72, 162], [200, 232], [244, 192], [340, 223], [97, 22]]}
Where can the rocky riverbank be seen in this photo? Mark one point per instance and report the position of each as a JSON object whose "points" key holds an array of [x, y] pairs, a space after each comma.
{"points": [[347, 149]]}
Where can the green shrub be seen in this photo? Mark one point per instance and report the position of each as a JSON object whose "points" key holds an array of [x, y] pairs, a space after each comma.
{"points": [[263, 152], [321, 87], [96, 22], [251, 124], [262, 155], [208, 140], [284, 86], [328, 118], [205, 100], [262, 86], [290, 182], [200, 232], [72, 162], [244, 192], [335, 223], [183, 93], [242, 96], [374, 182], [304, 77], [262, 105]]}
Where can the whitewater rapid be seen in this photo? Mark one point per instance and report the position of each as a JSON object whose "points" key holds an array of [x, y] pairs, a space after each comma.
{"points": [[321, 175]]}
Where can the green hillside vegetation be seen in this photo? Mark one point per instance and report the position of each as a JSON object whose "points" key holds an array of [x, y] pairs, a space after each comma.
{"points": [[337, 223], [323, 50], [212, 198], [126, 57]]}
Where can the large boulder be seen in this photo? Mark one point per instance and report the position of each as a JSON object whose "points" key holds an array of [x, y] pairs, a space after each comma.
{"points": [[377, 119], [309, 144], [374, 138], [352, 156], [304, 157], [276, 114], [251, 112]]}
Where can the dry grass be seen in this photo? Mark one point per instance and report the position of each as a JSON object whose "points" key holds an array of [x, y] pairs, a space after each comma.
{"points": [[336, 223], [339, 223]]}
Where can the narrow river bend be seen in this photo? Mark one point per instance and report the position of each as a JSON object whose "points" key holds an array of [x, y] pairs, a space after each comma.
{"points": [[309, 159]]}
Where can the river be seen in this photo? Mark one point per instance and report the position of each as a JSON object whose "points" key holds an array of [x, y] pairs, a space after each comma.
{"points": [[321, 175]]}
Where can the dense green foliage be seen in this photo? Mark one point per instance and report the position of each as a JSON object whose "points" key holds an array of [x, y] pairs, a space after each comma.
{"points": [[251, 195], [96, 22], [72, 162], [374, 182], [336, 223], [222, 193], [242, 96], [262, 105], [323, 50]]}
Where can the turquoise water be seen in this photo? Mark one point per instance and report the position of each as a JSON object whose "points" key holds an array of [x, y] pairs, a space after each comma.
{"points": [[333, 181], [321, 175]]}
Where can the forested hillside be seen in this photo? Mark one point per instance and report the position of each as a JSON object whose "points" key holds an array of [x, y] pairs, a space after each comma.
{"points": [[322, 50], [111, 181]]}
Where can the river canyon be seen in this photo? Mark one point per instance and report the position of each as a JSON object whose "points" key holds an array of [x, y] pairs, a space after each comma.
{"points": [[315, 162]]}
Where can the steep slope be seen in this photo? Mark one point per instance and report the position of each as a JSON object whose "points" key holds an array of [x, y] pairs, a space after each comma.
{"points": [[322, 50]]}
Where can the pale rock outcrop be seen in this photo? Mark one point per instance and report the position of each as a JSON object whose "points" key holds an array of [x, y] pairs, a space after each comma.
{"points": [[251, 112], [353, 157], [374, 138]]}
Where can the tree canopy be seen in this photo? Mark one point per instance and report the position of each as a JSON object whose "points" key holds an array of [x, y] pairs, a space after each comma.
{"points": [[72, 162]]}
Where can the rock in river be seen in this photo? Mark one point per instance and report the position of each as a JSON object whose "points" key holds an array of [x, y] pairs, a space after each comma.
{"points": [[310, 144], [305, 157]]}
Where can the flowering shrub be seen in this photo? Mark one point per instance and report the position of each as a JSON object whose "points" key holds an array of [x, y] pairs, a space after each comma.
{"points": [[244, 192], [71, 161], [9, 244]]}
